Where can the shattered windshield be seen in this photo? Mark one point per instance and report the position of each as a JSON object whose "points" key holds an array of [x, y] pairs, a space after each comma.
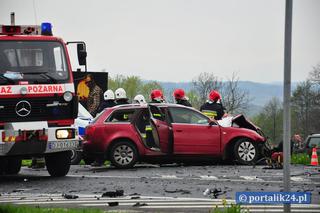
{"points": [[32, 61]]}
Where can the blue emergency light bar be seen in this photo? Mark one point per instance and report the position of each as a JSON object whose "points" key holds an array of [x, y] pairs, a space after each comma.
{"points": [[44, 29]]}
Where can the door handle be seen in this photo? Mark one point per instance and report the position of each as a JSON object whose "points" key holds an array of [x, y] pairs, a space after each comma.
{"points": [[178, 130]]}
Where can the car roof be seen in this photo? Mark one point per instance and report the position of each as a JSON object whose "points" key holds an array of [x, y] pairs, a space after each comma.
{"points": [[315, 135], [137, 106]]}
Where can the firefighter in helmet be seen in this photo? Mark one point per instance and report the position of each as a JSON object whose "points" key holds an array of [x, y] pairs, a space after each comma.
{"points": [[108, 100], [121, 96], [139, 99], [213, 107], [181, 98], [156, 96]]}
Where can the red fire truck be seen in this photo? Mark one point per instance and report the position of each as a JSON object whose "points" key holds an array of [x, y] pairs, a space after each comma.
{"points": [[38, 103]]}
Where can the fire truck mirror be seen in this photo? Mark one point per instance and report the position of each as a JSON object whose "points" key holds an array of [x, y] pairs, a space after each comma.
{"points": [[82, 54]]}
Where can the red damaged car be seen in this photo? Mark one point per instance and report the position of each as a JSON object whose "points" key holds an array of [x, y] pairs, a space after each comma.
{"points": [[126, 134]]}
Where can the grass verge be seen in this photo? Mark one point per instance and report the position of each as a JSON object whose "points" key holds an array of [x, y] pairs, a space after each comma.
{"points": [[28, 209]]}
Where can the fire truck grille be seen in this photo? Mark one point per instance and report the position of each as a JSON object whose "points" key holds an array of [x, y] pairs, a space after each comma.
{"points": [[36, 109]]}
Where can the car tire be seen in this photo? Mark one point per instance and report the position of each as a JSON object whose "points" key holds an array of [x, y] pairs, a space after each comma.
{"points": [[76, 157], [245, 151], [123, 155], [13, 166], [58, 164]]}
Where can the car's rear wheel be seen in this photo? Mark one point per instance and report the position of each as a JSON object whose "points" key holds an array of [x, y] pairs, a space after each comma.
{"points": [[123, 155], [245, 151]]}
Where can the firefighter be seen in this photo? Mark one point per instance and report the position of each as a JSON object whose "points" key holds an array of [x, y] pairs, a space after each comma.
{"points": [[121, 96], [180, 97], [213, 108], [108, 97], [139, 99], [156, 96]]}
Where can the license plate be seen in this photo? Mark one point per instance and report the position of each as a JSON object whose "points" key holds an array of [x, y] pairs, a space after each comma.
{"points": [[63, 144]]}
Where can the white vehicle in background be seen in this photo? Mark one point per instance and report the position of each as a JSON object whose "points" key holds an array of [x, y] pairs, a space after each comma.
{"points": [[84, 118]]}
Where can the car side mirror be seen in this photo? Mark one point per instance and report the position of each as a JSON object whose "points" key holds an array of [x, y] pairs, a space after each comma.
{"points": [[82, 54], [211, 123]]}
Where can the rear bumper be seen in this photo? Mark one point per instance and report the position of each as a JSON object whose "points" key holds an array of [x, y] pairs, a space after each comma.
{"points": [[39, 147]]}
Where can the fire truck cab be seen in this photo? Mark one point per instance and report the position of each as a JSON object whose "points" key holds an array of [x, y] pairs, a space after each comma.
{"points": [[38, 103]]}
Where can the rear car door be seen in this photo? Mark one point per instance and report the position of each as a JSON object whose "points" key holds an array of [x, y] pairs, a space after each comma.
{"points": [[162, 132], [193, 132]]}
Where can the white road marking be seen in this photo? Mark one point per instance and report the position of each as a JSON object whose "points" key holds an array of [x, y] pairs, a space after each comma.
{"points": [[252, 178], [208, 177], [299, 179], [153, 202], [170, 177]]}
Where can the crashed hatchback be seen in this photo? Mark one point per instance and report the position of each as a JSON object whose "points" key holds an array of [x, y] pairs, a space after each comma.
{"points": [[127, 134]]}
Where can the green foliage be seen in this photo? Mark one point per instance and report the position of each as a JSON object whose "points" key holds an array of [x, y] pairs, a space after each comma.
{"points": [[26, 163], [232, 208], [24, 209], [270, 120], [301, 158], [133, 86], [194, 99]]}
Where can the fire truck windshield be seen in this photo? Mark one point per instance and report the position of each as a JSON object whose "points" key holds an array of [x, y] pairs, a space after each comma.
{"points": [[33, 61]]}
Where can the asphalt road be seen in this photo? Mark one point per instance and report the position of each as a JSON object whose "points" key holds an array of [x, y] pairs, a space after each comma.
{"points": [[153, 187]]}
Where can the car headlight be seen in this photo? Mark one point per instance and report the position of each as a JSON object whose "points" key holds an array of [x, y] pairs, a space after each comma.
{"points": [[67, 96], [65, 133]]}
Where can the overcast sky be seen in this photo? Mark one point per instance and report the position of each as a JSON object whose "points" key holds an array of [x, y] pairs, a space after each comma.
{"points": [[175, 40]]}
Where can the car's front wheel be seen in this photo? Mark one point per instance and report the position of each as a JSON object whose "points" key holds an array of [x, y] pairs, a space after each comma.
{"points": [[123, 155], [76, 156], [245, 151]]}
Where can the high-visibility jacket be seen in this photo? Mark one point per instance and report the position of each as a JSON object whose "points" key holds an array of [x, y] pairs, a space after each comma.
{"points": [[213, 110]]}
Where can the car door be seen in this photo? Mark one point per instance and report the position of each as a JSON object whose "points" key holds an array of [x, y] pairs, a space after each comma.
{"points": [[162, 132], [193, 132]]}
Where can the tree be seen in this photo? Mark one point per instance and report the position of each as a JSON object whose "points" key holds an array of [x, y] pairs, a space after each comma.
{"points": [[116, 82], [305, 106], [270, 120], [132, 85], [194, 99], [204, 83], [234, 99], [148, 87]]}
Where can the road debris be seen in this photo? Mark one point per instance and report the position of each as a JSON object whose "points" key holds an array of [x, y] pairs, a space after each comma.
{"points": [[66, 196], [138, 204], [113, 204], [117, 193], [213, 193]]}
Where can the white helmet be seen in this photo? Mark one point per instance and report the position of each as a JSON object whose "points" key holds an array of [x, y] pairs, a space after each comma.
{"points": [[139, 99], [108, 95], [120, 93]]}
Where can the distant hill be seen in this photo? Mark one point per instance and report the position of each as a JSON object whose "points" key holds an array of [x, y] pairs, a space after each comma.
{"points": [[260, 93]]}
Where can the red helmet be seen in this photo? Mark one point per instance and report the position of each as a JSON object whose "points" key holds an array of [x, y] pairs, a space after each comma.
{"points": [[214, 95], [156, 94], [179, 94]]}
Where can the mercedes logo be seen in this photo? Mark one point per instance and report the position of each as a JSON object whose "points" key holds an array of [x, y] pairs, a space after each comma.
{"points": [[23, 108]]}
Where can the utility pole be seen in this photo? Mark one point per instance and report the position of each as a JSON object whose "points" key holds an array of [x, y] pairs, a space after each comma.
{"points": [[286, 100]]}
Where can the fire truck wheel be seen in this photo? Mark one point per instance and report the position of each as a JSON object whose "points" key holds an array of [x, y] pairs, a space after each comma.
{"points": [[245, 151], [76, 157], [58, 164], [3, 163], [13, 166]]}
